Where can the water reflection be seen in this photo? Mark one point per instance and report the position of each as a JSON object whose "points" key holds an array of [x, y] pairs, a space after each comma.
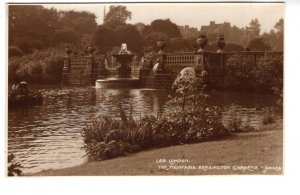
{"points": [[48, 136]]}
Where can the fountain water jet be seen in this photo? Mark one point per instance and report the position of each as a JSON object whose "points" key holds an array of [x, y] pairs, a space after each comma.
{"points": [[123, 78]]}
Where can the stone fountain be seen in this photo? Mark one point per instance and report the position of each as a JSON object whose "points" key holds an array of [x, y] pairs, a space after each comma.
{"points": [[123, 77], [124, 58]]}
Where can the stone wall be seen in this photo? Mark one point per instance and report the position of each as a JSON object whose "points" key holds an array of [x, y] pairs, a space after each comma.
{"points": [[83, 70], [77, 71]]}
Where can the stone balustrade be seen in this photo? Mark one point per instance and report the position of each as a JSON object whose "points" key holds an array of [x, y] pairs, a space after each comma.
{"points": [[212, 62], [85, 70]]}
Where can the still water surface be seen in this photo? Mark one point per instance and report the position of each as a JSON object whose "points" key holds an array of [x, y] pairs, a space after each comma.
{"points": [[48, 136]]}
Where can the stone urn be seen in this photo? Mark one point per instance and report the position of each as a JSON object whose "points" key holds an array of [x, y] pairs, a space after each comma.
{"points": [[220, 44], [201, 41], [161, 44], [68, 51], [90, 50]]}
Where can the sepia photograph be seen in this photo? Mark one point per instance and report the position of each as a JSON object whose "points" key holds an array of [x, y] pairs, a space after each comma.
{"points": [[145, 89]]}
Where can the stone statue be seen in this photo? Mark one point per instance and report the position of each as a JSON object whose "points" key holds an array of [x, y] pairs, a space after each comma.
{"points": [[124, 49]]}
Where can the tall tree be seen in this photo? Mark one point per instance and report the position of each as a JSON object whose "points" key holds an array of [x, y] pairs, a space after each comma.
{"points": [[81, 22], [118, 14], [252, 31], [275, 36], [167, 27], [254, 27], [279, 26], [129, 34], [35, 27], [105, 38], [33, 23]]}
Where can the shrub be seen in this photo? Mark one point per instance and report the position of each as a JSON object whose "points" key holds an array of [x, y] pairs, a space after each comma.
{"points": [[259, 44], [28, 44], [232, 120], [39, 66], [206, 124], [269, 73], [268, 117], [240, 67], [106, 137]]}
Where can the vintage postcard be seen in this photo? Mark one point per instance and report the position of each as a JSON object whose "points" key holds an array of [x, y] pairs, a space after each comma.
{"points": [[144, 89]]}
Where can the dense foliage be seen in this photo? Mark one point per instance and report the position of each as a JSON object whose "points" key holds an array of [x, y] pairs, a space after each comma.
{"points": [[229, 47], [266, 75], [233, 119], [259, 44], [165, 26], [35, 27], [117, 14], [39, 66], [191, 121], [241, 68]]}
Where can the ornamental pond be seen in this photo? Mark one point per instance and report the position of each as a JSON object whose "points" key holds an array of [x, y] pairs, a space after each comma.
{"points": [[48, 136]]}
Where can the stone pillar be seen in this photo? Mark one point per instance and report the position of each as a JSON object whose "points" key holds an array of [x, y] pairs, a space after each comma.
{"points": [[89, 67], [199, 58], [66, 67], [161, 44], [161, 62], [99, 68]]}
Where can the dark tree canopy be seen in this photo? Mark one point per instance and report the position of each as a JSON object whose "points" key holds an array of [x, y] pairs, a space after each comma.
{"points": [[117, 14], [35, 27], [258, 44], [66, 35], [229, 47], [252, 31], [31, 22], [167, 27], [129, 34], [105, 38], [152, 38], [179, 44], [81, 22]]}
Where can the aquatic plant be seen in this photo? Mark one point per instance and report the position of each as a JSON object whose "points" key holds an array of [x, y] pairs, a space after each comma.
{"points": [[13, 168], [107, 137]]}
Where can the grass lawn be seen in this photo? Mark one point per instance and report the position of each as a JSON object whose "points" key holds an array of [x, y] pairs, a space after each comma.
{"points": [[256, 152]]}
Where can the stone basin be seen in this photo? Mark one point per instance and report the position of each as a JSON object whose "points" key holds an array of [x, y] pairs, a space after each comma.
{"points": [[117, 83]]}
